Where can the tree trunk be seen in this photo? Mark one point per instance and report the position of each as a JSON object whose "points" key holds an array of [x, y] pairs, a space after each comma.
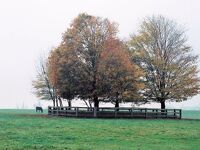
{"points": [[117, 101], [60, 101], [117, 104], [90, 103], [162, 104], [94, 86], [69, 103], [96, 102], [54, 104]]}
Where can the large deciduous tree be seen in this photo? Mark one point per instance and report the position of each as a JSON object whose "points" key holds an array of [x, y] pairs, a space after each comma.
{"points": [[161, 50], [86, 37], [65, 72], [119, 76]]}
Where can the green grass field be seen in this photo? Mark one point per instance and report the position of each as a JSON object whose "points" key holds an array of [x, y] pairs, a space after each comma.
{"points": [[24, 129]]}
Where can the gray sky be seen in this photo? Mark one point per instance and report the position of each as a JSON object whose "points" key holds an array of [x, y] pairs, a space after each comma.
{"points": [[28, 28]]}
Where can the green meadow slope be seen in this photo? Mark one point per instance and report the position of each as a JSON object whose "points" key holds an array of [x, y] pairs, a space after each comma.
{"points": [[24, 129]]}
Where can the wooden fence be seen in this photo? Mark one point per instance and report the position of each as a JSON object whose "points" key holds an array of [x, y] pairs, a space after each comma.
{"points": [[121, 112]]}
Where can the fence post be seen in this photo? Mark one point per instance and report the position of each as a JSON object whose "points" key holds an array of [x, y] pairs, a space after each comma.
{"points": [[156, 113], [115, 112], [49, 111], [174, 113], [131, 112], [180, 113], [145, 113], [65, 111], [53, 110], [95, 112], [57, 111], [76, 111]]}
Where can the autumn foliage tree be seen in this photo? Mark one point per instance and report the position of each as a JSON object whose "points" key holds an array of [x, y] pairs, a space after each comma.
{"points": [[86, 37], [119, 76], [67, 72], [160, 48], [53, 76]]}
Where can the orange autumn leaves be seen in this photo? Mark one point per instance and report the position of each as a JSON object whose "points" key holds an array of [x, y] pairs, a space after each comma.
{"points": [[119, 72]]}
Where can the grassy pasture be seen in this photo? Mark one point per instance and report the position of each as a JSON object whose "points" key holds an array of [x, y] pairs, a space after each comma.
{"points": [[24, 129]]}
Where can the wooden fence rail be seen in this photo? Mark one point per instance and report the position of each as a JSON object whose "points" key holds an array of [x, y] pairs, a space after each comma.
{"points": [[110, 112]]}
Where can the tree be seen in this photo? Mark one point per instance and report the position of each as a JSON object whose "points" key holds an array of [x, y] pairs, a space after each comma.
{"points": [[64, 66], [160, 49], [119, 76], [86, 37], [53, 75], [42, 86]]}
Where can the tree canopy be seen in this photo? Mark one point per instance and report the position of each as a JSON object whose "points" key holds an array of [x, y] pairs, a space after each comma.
{"points": [[160, 48], [84, 52], [120, 77], [93, 64]]}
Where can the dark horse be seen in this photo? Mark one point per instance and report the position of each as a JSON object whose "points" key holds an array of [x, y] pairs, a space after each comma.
{"points": [[39, 109]]}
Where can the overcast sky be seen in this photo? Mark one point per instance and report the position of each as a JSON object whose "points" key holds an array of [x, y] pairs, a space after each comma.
{"points": [[29, 28]]}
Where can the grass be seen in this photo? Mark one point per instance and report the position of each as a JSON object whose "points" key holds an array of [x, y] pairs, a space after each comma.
{"points": [[24, 129]]}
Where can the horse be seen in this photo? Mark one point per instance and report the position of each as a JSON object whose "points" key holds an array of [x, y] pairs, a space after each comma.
{"points": [[39, 109]]}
